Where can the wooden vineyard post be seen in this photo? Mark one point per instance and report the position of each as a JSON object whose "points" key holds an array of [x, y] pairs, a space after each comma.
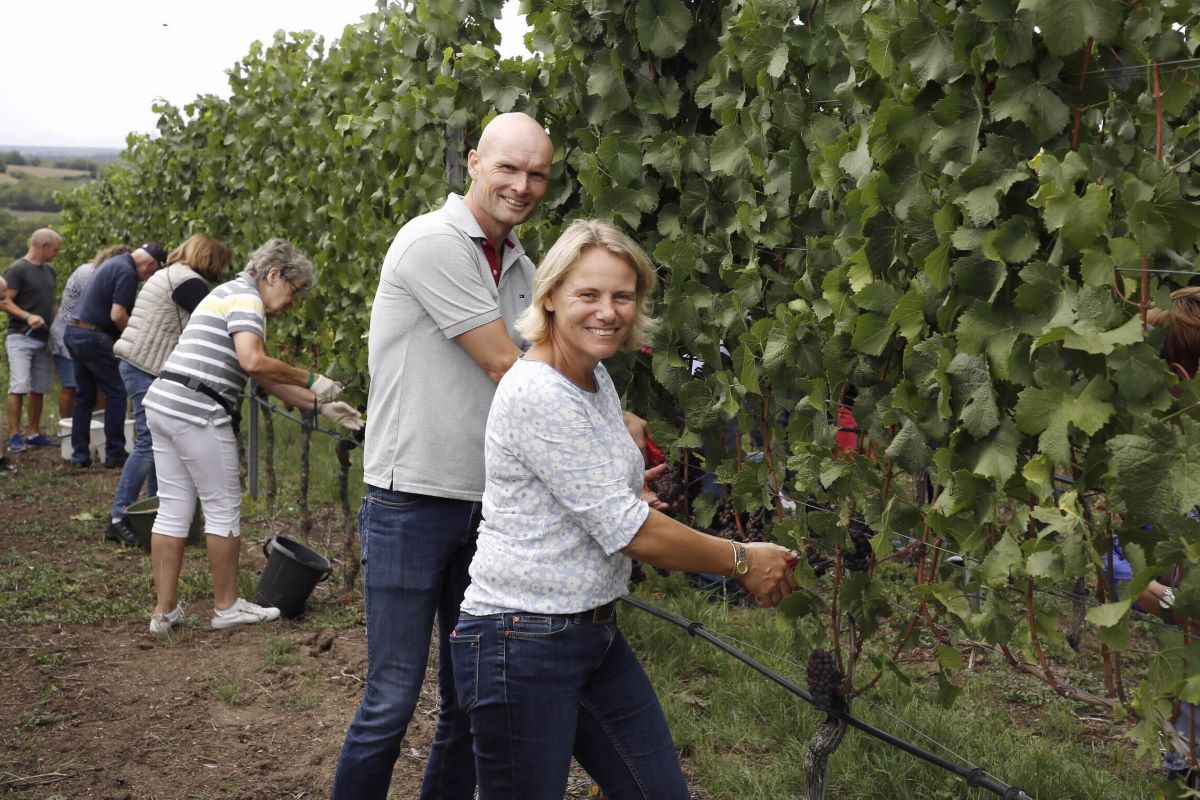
{"points": [[350, 545], [305, 473]]}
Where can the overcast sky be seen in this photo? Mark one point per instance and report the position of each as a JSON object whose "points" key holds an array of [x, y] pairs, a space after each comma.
{"points": [[85, 72]]}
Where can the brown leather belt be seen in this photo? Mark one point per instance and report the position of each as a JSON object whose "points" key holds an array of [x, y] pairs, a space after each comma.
{"points": [[601, 615], [87, 326]]}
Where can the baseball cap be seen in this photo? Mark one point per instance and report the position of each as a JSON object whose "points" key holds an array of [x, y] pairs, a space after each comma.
{"points": [[156, 251]]}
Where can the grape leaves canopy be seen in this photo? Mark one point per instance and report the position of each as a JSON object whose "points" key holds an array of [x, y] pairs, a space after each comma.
{"points": [[933, 212]]}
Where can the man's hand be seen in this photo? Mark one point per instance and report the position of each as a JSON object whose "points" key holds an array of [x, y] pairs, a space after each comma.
{"points": [[35, 321], [343, 414], [325, 389]]}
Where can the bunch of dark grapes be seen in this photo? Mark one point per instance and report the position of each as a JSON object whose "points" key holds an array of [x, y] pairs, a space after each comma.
{"points": [[858, 559], [753, 524], [817, 560], [669, 487], [724, 520], [727, 519], [823, 678], [637, 575]]}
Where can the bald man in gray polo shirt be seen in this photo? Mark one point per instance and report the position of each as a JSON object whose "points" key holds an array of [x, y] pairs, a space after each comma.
{"points": [[451, 286]]}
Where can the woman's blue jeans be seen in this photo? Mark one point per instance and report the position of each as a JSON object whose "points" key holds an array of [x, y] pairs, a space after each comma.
{"points": [[139, 467], [540, 688], [415, 550]]}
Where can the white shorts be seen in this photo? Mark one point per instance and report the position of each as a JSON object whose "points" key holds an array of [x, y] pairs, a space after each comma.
{"points": [[193, 461]]}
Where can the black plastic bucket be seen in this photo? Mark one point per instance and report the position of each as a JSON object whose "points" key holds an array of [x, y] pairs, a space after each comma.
{"points": [[291, 574]]}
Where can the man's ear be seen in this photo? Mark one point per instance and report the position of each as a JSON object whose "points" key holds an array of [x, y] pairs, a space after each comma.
{"points": [[472, 162]]}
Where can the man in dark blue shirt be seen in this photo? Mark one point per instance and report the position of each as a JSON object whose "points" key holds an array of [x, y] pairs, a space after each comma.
{"points": [[101, 316]]}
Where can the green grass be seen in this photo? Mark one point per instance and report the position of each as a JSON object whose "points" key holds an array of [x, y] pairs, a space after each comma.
{"points": [[229, 689], [33, 594], [745, 737], [307, 694], [281, 652]]}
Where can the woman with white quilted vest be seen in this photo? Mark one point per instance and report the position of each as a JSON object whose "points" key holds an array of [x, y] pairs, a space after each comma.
{"points": [[163, 308]]}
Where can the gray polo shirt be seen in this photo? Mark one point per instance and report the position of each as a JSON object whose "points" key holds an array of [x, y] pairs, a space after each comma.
{"points": [[428, 402]]}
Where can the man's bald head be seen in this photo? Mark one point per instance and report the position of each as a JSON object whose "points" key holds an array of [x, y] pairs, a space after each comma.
{"points": [[44, 236], [517, 127], [509, 173], [43, 246]]}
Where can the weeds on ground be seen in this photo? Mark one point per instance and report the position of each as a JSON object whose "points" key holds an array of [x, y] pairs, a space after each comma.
{"points": [[229, 689], [281, 652], [32, 594], [308, 694]]}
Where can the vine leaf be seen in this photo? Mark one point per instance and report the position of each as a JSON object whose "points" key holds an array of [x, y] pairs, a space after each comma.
{"points": [[1022, 97], [1003, 561], [1066, 25], [1052, 410], [662, 26]]}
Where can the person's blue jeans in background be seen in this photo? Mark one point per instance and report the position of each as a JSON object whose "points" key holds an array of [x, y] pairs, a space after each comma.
{"points": [[1185, 725], [96, 366], [540, 688], [139, 467], [416, 551]]}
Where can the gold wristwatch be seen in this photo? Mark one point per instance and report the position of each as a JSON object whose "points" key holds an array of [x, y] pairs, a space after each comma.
{"points": [[740, 565]]}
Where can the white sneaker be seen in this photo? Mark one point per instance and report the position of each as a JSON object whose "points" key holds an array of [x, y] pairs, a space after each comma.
{"points": [[165, 623], [243, 612]]}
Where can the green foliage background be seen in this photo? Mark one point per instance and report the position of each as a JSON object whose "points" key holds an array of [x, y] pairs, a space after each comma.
{"points": [[930, 203]]}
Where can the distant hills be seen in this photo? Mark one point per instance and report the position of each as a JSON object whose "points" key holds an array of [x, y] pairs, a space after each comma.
{"points": [[74, 151]]}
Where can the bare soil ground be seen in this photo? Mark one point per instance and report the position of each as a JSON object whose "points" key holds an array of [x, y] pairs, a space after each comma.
{"points": [[94, 707]]}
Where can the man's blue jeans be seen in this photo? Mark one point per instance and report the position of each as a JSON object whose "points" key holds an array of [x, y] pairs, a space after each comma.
{"points": [[540, 688], [416, 551], [139, 467], [96, 366]]}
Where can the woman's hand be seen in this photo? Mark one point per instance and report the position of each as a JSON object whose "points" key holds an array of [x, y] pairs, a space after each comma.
{"points": [[326, 389], [343, 414], [648, 492], [770, 577]]}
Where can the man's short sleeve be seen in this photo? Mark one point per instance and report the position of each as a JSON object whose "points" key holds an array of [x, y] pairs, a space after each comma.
{"points": [[441, 271], [14, 276], [125, 285]]}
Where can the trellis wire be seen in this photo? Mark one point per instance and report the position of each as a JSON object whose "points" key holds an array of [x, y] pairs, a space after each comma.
{"points": [[974, 776]]}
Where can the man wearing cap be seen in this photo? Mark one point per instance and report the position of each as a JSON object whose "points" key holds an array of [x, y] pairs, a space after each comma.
{"points": [[101, 316], [29, 302]]}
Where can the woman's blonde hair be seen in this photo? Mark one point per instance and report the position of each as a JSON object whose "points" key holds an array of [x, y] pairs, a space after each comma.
{"points": [[203, 253], [579, 237]]}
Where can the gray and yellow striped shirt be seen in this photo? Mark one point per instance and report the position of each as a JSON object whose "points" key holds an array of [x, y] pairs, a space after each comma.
{"points": [[205, 351]]}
